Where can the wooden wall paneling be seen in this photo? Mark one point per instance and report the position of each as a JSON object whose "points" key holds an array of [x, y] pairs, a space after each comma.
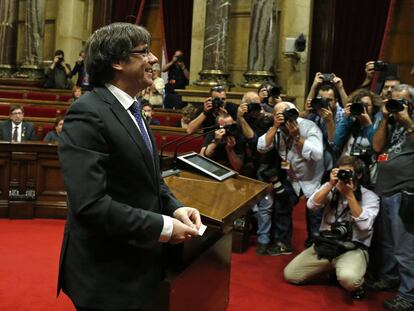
{"points": [[4, 183]]}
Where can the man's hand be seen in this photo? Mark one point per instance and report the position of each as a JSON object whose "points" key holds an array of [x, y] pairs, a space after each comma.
{"points": [[278, 120], [318, 79], [218, 134], [308, 106], [369, 70], [333, 177], [338, 82], [292, 128], [347, 110], [242, 110], [384, 111], [56, 60], [208, 105], [364, 118], [326, 114], [181, 232], [346, 188], [189, 216], [230, 142]]}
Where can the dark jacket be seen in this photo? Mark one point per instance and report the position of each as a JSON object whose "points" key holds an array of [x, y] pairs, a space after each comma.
{"points": [[110, 257], [28, 131]]}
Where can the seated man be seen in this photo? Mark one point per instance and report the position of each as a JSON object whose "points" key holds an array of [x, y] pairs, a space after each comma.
{"points": [[349, 213], [225, 145], [16, 129], [53, 136], [58, 74], [148, 112]]}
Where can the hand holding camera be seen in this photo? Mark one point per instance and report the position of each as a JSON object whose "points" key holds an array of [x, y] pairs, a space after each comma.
{"points": [[342, 180], [219, 134], [242, 110], [369, 69], [208, 105]]}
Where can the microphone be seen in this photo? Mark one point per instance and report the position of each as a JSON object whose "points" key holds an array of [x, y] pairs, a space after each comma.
{"points": [[180, 139]]}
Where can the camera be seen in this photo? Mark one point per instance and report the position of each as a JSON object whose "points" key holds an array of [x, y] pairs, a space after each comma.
{"points": [[395, 105], [362, 153], [339, 231], [271, 175], [380, 65], [180, 58], [253, 107], [217, 103], [345, 175], [357, 109], [274, 92], [231, 129], [318, 103], [290, 114], [328, 77]]}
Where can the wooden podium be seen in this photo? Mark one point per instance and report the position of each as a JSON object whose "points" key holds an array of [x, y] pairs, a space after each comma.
{"points": [[198, 273]]}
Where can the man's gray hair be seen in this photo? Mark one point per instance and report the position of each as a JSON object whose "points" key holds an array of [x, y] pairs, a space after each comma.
{"points": [[405, 87], [110, 44]]}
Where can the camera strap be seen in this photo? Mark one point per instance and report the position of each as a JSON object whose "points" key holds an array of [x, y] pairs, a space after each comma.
{"points": [[334, 206]]}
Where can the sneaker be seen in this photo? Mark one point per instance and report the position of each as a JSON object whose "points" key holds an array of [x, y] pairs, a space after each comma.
{"points": [[398, 304], [358, 294], [382, 285], [261, 249], [279, 249]]}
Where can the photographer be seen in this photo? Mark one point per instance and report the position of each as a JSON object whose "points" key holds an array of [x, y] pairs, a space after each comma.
{"points": [[387, 77], [225, 145], [254, 123], [299, 144], [269, 94], [394, 140], [58, 74], [349, 211], [178, 76], [79, 69], [354, 132], [214, 105]]}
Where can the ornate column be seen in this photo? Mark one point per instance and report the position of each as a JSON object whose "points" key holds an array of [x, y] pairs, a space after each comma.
{"points": [[34, 37], [214, 70], [9, 10], [262, 43]]}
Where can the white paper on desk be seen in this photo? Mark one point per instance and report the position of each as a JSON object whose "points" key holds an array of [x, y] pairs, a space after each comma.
{"points": [[202, 229]]}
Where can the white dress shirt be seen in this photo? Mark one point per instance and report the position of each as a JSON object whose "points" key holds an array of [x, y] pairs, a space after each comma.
{"points": [[306, 165], [126, 101]]}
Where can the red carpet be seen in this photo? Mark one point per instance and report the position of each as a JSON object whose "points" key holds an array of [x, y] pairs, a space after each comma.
{"points": [[29, 253]]}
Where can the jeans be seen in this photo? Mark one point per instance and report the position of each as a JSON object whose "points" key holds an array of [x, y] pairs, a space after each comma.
{"points": [[283, 215], [397, 243]]}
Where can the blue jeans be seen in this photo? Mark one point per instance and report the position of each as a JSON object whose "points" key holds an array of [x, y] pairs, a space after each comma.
{"points": [[283, 215], [397, 243]]}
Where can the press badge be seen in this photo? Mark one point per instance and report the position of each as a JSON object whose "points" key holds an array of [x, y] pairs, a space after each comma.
{"points": [[383, 157], [285, 165]]}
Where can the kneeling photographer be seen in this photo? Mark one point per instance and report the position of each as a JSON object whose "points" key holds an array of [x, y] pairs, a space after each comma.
{"points": [[225, 145], [345, 232]]}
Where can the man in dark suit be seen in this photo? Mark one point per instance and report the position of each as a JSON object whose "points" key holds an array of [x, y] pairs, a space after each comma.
{"points": [[16, 129], [119, 209]]}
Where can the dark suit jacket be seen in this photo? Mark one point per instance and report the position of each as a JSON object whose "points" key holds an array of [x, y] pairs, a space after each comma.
{"points": [[110, 257], [28, 131]]}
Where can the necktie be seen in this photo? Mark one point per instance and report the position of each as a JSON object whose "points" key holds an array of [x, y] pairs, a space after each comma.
{"points": [[14, 138], [136, 112]]}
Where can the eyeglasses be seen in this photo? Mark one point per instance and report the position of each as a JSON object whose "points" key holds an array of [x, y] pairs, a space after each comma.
{"points": [[16, 113], [143, 52]]}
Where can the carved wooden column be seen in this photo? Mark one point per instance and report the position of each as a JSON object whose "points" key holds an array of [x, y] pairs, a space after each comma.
{"points": [[214, 70], [262, 43], [9, 10]]}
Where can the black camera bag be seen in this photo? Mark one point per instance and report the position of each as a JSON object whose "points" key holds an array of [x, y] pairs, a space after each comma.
{"points": [[329, 248]]}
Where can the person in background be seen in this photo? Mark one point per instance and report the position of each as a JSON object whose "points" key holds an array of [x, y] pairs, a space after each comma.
{"points": [[148, 112], [58, 74], [76, 93], [79, 69], [188, 114], [154, 93], [53, 135], [16, 129]]}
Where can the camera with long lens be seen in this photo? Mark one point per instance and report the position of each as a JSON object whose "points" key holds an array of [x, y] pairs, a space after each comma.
{"points": [[339, 231], [345, 175], [290, 114], [179, 58], [318, 103], [271, 175], [395, 105], [380, 65], [217, 103], [357, 109]]}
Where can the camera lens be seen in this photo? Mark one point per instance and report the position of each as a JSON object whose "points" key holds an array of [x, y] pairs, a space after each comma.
{"points": [[217, 103], [357, 109], [344, 175], [395, 105]]}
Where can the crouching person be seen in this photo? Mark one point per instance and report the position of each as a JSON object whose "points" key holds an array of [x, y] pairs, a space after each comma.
{"points": [[345, 232]]}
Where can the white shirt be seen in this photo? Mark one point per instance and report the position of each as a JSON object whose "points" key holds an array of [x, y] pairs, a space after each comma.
{"points": [[19, 131], [126, 101], [362, 226], [306, 166]]}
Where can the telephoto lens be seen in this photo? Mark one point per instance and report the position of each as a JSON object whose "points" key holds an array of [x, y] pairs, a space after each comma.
{"points": [[395, 105]]}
